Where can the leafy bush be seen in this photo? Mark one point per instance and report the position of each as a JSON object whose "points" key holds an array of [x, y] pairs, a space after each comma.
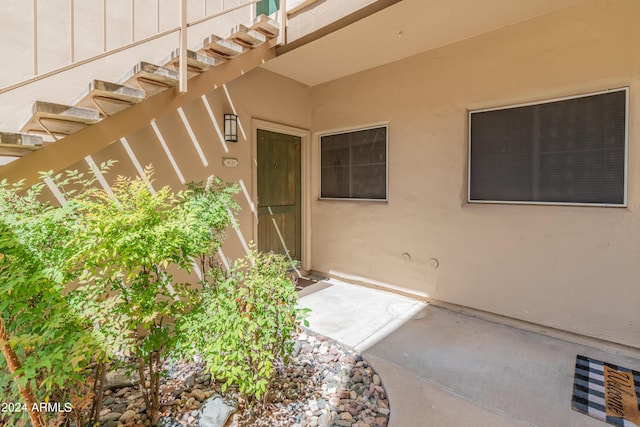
{"points": [[126, 243], [119, 249], [244, 321], [46, 348]]}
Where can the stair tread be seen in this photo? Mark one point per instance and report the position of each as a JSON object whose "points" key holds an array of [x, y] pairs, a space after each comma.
{"points": [[69, 112], [20, 139], [266, 26], [58, 119], [220, 48], [196, 63], [15, 144], [149, 77], [109, 97], [247, 37]]}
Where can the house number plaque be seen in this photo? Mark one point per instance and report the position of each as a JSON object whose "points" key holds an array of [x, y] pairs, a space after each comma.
{"points": [[230, 162]]}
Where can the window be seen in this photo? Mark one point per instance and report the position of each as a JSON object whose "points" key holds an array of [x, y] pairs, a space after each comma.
{"points": [[354, 164], [570, 151]]}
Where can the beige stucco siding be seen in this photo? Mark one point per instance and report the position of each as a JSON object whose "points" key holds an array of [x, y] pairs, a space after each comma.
{"points": [[573, 268]]}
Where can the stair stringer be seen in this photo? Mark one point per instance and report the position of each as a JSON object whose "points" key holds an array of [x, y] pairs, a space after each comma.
{"points": [[75, 147]]}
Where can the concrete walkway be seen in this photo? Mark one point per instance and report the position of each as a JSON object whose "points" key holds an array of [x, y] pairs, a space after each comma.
{"points": [[446, 368]]}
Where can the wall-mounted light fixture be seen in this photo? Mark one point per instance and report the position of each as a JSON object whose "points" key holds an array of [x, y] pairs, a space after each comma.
{"points": [[231, 127]]}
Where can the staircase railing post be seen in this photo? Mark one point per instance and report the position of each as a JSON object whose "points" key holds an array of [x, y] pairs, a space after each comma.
{"points": [[35, 37], [72, 30], [183, 47], [282, 37]]}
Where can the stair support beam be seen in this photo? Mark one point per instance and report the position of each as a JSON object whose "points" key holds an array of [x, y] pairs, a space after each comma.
{"points": [[73, 148]]}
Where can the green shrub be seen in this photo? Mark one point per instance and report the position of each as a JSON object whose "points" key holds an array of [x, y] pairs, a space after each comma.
{"points": [[118, 247], [244, 321], [126, 243], [46, 347]]}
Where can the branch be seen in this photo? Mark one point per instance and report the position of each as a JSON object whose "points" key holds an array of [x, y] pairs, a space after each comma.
{"points": [[13, 364]]}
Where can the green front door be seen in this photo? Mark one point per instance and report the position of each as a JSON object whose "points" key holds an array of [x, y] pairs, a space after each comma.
{"points": [[279, 198]]}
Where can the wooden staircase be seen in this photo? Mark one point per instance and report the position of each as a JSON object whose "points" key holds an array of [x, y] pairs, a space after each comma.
{"points": [[144, 92]]}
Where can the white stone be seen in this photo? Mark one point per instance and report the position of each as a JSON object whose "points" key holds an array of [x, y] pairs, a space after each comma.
{"points": [[215, 412]]}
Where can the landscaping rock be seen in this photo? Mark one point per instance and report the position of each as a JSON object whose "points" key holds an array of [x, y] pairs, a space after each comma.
{"points": [[323, 420], [198, 395], [376, 379], [216, 411], [297, 347], [118, 379], [119, 407], [127, 416], [111, 416], [333, 389], [168, 422], [189, 381]]}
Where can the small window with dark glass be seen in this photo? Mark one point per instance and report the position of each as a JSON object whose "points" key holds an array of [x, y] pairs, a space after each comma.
{"points": [[354, 164], [569, 151]]}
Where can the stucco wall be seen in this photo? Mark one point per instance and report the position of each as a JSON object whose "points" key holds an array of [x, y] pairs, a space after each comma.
{"points": [[573, 268]]}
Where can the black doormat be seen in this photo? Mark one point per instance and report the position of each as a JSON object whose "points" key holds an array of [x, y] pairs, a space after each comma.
{"points": [[303, 282], [606, 392]]}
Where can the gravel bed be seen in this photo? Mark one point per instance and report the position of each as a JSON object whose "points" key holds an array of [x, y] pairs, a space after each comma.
{"points": [[324, 384]]}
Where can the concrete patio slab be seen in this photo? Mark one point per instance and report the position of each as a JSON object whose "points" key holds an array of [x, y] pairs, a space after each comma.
{"points": [[443, 367], [417, 401], [356, 315]]}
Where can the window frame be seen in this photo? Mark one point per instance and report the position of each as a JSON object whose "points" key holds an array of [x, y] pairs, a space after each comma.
{"points": [[347, 131], [624, 203]]}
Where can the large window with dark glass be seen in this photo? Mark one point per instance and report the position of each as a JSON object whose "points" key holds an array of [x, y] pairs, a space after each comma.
{"points": [[569, 151], [353, 165]]}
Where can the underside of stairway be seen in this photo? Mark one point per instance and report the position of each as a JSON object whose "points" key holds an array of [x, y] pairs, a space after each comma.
{"points": [[147, 92]]}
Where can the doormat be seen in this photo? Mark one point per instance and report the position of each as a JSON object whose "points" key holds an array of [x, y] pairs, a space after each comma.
{"points": [[607, 392]]}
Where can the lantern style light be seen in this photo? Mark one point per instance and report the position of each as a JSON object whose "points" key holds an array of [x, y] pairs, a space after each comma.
{"points": [[231, 128]]}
